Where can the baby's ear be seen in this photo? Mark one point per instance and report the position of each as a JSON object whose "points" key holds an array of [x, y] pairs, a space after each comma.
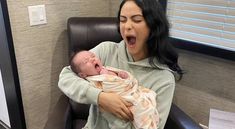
{"points": [[82, 75]]}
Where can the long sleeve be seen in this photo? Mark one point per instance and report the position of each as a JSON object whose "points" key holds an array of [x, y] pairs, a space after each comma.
{"points": [[164, 99], [164, 106], [77, 88]]}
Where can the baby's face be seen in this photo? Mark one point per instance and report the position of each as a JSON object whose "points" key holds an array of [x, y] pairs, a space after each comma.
{"points": [[88, 63]]}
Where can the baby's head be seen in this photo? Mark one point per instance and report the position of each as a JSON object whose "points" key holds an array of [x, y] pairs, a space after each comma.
{"points": [[85, 63]]}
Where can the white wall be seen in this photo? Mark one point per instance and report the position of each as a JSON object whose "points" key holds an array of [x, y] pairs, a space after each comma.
{"points": [[4, 117]]}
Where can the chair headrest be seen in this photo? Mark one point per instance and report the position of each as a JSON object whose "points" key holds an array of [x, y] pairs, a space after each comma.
{"points": [[85, 33]]}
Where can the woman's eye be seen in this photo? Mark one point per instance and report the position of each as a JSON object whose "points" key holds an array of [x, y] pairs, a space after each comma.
{"points": [[137, 20], [122, 19]]}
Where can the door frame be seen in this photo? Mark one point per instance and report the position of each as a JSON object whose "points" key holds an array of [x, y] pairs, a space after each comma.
{"points": [[9, 71]]}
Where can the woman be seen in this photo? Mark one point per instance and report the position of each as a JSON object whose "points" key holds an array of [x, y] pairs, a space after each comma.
{"points": [[144, 52]]}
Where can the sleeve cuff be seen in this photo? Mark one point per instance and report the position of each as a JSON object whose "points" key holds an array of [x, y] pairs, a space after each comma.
{"points": [[93, 94]]}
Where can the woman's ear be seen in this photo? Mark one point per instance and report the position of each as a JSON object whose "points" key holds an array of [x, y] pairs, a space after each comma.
{"points": [[82, 75]]}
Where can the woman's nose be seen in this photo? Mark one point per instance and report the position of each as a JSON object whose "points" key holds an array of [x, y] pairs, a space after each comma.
{"points": [[128, 25]]}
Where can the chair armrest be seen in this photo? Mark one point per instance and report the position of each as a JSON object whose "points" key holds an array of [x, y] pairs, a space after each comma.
{"points": [[60, 117], [179, 120]]}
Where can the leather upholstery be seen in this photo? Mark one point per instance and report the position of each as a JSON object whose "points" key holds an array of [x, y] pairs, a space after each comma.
{"points": [[84, 33]]}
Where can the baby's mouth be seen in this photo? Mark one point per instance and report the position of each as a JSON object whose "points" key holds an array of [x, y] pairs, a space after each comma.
{"points": [[97, 67], [131, 40]]}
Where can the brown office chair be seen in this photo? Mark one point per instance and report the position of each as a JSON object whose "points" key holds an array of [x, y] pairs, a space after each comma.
{"points": [[84, 34]]}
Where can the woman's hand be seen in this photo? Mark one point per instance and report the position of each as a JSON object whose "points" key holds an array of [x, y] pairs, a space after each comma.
{"points": [[116, 105]]}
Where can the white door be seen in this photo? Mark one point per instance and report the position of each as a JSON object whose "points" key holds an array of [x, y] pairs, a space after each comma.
{"points": [[4, 117]]}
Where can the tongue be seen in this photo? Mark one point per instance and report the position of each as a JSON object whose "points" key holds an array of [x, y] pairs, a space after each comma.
{"points": [[132, 41]]}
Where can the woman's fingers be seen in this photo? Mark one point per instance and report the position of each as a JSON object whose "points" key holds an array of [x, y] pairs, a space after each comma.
{"points": [[126, 109], [116, 105], [127, 104], [123, 115]]}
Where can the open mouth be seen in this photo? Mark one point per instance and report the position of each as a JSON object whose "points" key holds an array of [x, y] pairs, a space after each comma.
{"points": [[97, 67], [131, 40]]}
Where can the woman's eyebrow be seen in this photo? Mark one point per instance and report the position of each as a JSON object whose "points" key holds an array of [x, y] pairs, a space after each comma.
{"points": [[122, 16], [137, 15]]}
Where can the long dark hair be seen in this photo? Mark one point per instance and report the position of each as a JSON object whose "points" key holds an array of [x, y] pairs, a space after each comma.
{"points": [[158, 41]]}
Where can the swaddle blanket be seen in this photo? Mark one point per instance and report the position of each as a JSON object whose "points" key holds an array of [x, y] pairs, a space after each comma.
{"points": [[144, 100]]}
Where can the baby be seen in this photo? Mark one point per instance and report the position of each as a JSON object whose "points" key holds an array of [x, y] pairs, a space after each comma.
{"points": [[86, 65]]}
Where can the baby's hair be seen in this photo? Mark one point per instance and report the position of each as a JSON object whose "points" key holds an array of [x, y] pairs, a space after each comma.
{"points": [[72, 63]]}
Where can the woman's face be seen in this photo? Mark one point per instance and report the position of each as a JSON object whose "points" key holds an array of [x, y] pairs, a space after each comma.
{"points": [[134, 30]]}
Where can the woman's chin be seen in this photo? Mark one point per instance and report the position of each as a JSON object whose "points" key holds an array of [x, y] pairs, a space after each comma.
{"points": [[131, 50]]}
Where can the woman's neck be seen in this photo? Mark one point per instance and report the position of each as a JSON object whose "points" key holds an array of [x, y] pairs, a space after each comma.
{"points": [[140, 56]]}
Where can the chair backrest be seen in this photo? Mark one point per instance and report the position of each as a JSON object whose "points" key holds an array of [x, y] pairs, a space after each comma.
{"points": [[85, 33]]}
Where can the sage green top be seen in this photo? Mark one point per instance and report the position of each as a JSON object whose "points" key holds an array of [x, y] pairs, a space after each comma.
{"points": [[160, 79]]}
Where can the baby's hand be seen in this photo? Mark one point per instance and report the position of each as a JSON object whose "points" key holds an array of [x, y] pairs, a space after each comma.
{"points": [[104, 71], [122, 75]]}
